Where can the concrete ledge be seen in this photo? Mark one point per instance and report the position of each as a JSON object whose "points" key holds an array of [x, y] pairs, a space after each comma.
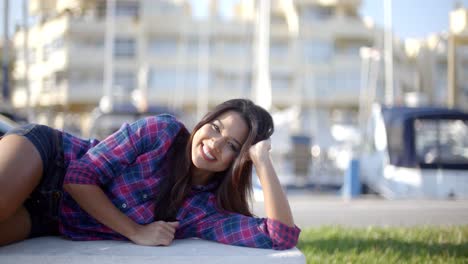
{"points": [[49, 250]]}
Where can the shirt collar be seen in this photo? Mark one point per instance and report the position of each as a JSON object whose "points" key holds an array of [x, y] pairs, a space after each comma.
{"points": [[204, 188]]}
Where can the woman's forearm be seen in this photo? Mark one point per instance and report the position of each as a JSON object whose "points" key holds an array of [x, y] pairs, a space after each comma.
{"points": [[276, 203], [95, 202]]}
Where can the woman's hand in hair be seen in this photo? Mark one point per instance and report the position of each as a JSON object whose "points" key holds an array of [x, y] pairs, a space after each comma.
{"points": [[260, 152], [158, 233]]}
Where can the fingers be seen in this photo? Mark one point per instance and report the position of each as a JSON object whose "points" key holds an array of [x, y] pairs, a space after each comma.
{"points": [[166, 238], [156, 234], [174, 224], [267, 143], [260, 150], [263, 144], [169, 226], [166, 231]]}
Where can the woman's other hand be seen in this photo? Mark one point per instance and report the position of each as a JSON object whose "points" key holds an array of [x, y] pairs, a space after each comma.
{"points": [[260, 152], [158, 233]]}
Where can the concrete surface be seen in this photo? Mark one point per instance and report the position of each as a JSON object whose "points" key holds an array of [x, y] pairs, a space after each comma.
{"points": [[51, 250]]}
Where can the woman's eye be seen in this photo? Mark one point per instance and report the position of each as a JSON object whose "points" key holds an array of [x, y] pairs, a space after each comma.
{"points": [[232, 146], [215, 127]]}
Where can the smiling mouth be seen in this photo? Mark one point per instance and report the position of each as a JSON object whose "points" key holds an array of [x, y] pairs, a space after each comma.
{"points": [[206, 153]]}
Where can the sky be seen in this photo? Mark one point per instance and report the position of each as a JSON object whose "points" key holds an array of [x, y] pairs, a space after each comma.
{"points": [[411, 18]]}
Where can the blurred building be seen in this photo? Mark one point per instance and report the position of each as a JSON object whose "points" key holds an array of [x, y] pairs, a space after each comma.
{"points": [[162, 55], [457, 59], [434, 70]]}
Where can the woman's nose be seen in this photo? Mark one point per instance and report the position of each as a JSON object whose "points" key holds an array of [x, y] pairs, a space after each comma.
{"points": [[217, 144]]}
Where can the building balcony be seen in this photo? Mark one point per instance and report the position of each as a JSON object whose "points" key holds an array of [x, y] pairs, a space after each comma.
{"points": [[336, 27], [56, 61], [351, 28], [336, 95], [347, 60], [84, 93], [220, 29], [231, 63], [188, 95], [53, 97], [86, 25], [85, 57], [66, 95]]}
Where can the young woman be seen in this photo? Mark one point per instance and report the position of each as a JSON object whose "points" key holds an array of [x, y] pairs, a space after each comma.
{"points": [[149, 182]]}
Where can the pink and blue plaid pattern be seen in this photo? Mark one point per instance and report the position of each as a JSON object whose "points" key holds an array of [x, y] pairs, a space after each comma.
{"points": [[200, 217], [128, 166]]}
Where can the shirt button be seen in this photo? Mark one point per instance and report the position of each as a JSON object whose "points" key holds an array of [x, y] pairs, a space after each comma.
{"points": [[124, 205], [145, 196]]}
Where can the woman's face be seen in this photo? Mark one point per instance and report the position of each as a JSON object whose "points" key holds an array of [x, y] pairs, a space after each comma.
{"points": [[216, 144]]}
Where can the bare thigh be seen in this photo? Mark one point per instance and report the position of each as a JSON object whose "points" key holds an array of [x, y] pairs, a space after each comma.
{"points": [[20, 172], [15, 228]]}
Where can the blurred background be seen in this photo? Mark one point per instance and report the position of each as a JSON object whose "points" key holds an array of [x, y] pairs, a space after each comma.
{"points": [[321, 67]]}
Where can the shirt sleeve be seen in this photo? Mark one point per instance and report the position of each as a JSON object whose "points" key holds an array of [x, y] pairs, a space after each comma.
{"points": [[241, 230], [107, 159]]}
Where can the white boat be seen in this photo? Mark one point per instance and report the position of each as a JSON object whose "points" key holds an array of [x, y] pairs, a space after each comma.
{"points": [[416, 153]]}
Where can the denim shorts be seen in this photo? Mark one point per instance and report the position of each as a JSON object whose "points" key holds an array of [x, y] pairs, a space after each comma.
{"points": [[44, 202]]}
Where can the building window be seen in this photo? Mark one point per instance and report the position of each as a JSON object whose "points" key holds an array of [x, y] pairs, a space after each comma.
{"points": [[163, 46], [165, 7], [31, 55], [85, 79], [60, 77], [162, 78], [347, 80], [441, 82], [319, 84], [48, 84], [316, 13], [229, 81], [20, 83], [280, 82], [317, 51], [349, 48], [192, 46], [89, 43], [124, 48], [232, 48], [52, 47], [124, 82], [277, 19], [122, 9], [278, 49], [193, 78], [54, 81], [126, 9]]}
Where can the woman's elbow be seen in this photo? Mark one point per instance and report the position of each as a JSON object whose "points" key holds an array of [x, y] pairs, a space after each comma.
{"points": [[282, 236], [284, 244], [72, 188], [69, 188]]}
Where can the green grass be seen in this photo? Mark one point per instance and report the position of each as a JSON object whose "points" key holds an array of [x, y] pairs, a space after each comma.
{"points": [[385, 245]]}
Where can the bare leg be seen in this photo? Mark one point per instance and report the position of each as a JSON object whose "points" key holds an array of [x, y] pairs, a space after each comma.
{"points": [[20, 172], [15, 228]]}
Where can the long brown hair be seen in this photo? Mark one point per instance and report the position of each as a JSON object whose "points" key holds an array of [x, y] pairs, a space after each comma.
{"points": [[235, 183]]}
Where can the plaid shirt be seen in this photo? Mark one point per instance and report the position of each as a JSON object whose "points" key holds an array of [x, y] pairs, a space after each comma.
{"points": [[128, 166]]}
